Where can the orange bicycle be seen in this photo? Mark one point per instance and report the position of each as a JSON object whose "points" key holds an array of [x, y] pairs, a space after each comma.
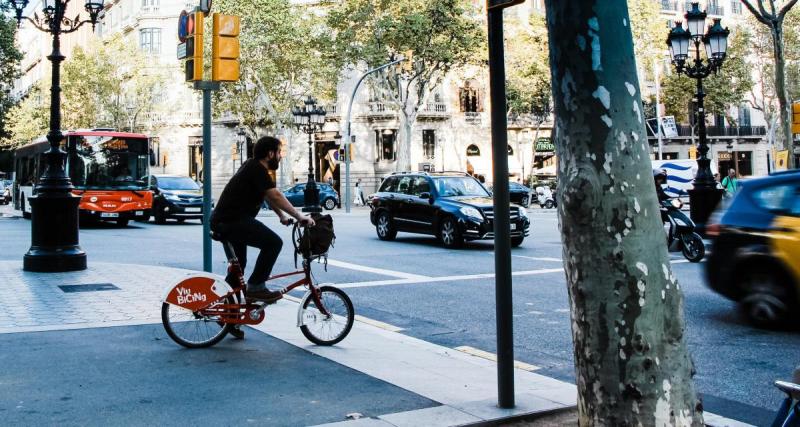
{"points": [[201, 310]]}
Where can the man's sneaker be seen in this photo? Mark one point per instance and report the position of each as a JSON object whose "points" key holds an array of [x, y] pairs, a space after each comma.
{"points": [[262, 293], [237, 333]]}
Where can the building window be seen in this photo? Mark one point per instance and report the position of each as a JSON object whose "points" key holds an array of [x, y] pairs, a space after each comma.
{"points": [[150, 40], [428, 144], [744, 116], [385, 144], [469, 98], [739, 161], [150, 5], [736, 7], [510, 150]]}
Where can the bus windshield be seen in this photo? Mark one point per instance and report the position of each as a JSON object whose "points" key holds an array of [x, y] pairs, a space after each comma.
{"points": [[107, 162]]}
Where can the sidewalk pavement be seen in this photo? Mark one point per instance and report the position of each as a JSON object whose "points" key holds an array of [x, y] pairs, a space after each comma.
{"points": [[100, 328]]}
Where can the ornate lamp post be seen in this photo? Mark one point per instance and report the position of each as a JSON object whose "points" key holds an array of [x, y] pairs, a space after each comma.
{"points": [[705, 196], [54, 224], [310, 118]]}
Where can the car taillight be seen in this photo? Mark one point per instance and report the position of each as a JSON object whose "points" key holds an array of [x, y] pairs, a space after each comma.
{"points": [[713, 230]]}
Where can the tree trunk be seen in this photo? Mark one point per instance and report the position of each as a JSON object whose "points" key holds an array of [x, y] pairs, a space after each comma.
{"points": [[780, 90], [404, 148], [632, 366]]}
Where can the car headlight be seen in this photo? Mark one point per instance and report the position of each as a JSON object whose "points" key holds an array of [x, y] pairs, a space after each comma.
{"points": [[172, 197], [471, 212], [523, 213]]}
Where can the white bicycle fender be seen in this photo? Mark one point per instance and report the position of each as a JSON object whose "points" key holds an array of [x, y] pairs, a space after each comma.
{"points": [[300, 309]]}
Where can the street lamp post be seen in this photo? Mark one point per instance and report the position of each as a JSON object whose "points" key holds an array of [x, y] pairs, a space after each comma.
{"points": [[131, 109], [309, 119], [241, 139], [705, 196], [54, 222]]}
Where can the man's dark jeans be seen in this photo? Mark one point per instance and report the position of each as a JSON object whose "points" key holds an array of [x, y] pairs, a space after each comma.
{"points": [[251, 232]]}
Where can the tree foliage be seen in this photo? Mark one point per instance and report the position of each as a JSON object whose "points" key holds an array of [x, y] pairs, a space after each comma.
{"points": [[30, 117], [440, 34], [10, 58], [528, 89], [728, 87], [108, 84], [281, 62]]}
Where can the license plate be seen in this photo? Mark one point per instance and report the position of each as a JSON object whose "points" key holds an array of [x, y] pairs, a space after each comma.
{"points": [[192, 210], [513, 226], [109, 215], [139, 212]]}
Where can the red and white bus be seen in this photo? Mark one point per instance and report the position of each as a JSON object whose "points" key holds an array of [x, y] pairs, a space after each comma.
{"points": [[108, 169]]}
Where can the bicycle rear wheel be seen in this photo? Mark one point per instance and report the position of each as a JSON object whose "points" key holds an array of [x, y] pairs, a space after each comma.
{"points": [[328, 330], [194, 329]]}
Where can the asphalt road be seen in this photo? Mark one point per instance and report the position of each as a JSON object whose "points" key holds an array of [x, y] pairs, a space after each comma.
{"points": [[447, 297]]}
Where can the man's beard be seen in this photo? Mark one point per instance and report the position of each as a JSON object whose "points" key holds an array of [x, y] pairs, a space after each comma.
{"points": [[273, 164]]}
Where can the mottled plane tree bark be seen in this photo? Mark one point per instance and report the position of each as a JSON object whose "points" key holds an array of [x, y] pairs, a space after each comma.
{"points": [[632, 366]]}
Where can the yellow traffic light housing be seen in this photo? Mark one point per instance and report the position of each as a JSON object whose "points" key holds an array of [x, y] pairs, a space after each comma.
{"points": [[194, 47], [796, 117], [225, 48]]}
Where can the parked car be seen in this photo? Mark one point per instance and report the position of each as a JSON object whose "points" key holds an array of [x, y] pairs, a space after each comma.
{"points": [[453, 207], [328, 197], [755, 249], [519, 194], [175, 197], [5, 193]]}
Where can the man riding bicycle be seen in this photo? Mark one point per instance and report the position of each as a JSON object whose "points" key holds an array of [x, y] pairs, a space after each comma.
{"points": [[235, 216]]}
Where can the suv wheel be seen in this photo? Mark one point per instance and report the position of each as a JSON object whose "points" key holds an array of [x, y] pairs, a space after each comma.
{"points": [[449, 234], [330, 204], [384, 227], [549, 204], [525, 202]]}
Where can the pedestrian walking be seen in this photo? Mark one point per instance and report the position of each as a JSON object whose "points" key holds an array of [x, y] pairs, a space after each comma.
{"points": [[359, 200], [730, 183]]}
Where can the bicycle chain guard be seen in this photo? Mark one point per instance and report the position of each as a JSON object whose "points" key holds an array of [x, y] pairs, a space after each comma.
{"points": [[197, 292]]}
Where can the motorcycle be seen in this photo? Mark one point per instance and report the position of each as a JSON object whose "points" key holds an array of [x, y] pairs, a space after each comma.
{"points": [[545, 198], [789, 412], [681, 230]]}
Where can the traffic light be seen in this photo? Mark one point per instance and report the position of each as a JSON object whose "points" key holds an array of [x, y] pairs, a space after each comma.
{"points": [[194, 47], [342, 152], [225, 48], [796, 117]]}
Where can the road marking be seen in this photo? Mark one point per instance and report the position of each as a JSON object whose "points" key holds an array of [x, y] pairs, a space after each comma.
{"points": [[538, 258], [378, 324], [491, 356], [441, 279], [381, 271]]}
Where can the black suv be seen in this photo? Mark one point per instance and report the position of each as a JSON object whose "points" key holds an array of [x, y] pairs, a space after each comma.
{"points": [[454, 207], [178, 197]]}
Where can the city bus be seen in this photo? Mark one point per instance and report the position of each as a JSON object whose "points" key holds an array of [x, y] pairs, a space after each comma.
{"points": [[108, 169]]}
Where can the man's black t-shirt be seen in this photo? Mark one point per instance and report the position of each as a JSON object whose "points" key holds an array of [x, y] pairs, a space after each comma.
{"points": [[243, 196]]}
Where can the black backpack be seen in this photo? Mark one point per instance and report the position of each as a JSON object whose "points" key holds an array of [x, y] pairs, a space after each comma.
{"points": [[314, 242]]}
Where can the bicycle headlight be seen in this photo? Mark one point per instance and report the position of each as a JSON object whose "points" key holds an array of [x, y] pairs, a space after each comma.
{"points": [[471, 212]]}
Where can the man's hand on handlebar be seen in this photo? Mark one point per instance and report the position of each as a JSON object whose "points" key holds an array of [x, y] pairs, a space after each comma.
{"points": [[287, 221], [306, 220]]}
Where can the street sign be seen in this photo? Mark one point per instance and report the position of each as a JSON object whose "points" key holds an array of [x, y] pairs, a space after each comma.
{"points": [[182, 50], [183, 24], [668, 127]]}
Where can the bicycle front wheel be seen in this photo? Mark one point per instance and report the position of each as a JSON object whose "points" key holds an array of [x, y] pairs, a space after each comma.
{"points": [[194, 329], [328, 330]]}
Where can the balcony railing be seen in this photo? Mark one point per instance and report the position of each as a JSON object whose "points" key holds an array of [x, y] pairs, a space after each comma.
{"points": [[685, 131], [670, 5]]}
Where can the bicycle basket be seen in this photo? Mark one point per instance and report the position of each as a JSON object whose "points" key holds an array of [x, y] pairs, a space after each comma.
{"points": [[312, 242]]}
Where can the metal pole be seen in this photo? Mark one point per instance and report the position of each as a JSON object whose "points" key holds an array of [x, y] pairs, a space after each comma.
{"points": [[502, 233], [658, 113], [207, 87], [206, 179], [346, 139]]}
